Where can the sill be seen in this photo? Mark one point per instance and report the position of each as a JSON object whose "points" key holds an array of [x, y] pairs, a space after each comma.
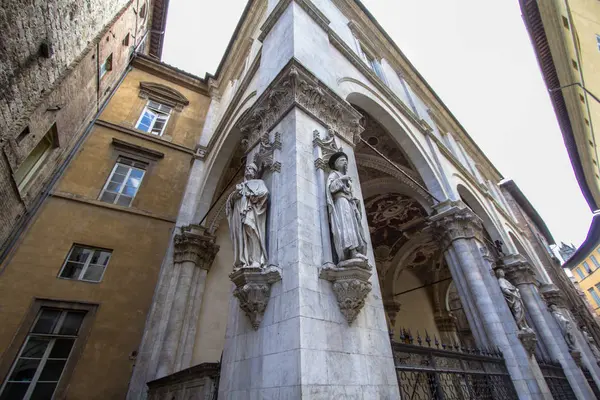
{"points": [[78, 280], [98, 203]]}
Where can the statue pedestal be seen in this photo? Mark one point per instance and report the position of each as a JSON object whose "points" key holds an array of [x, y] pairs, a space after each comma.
{"points": [[351, 286], [529, 340]]}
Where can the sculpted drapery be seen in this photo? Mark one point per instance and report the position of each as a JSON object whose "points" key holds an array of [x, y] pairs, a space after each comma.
{"points": [[565, 326], [513, 298], [344, 212], [246, 210]]}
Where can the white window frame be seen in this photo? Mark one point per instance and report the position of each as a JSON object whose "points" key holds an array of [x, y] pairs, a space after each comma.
{"points": [[106, 66], [120, 161], [86, 264], [53, 337], [158, 113]]}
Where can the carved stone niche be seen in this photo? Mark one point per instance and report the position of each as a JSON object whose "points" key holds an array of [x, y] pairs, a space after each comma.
{"points": [[351, 286], [195, 245], [253, 289]]}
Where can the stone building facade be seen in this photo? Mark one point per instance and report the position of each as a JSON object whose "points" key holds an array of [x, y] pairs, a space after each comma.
{"points": [[224, 276]]}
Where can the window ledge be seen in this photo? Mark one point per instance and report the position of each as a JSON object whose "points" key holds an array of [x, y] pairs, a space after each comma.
{"points": [[134, 148]]}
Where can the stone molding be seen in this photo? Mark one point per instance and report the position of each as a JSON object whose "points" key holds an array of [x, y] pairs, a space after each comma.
{"points": [[198, 382], [295, 86], [553, 296], [264, 157], [195, 245], [328, 147], [391, 308], [445, 322], [137, 149], [253, 290], [163, 94], [518, 270], [279, 9], [455, 221], [351, 286]]}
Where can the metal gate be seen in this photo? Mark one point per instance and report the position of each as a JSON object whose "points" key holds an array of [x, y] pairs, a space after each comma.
{"points": [[591, 381], [441, 373], [557, 381]]}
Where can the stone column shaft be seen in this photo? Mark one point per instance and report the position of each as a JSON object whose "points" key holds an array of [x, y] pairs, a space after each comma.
{"points": [[521, 275]]}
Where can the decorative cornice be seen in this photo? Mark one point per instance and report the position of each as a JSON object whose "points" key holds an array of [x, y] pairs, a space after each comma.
{"points": [[295, 86], [518, 270], [279, 9], [195, 245], [455, 221], [163, 94], [136, 149]]}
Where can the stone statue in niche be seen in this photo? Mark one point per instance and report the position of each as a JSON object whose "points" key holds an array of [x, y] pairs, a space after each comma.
{"points": [[345, 215], [565, 325], [246, 210], [592, 343], [513, 298]]}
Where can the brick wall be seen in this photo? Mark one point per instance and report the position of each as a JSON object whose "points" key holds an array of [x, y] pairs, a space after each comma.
{"points": [[64, 89]]}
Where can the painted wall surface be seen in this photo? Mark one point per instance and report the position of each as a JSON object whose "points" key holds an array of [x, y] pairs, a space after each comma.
{"points": [[137, 235], [587, 275]]}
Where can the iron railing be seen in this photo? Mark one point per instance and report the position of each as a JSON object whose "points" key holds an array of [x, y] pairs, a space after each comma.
{"points": [[591, 381], [556, 380], [441, 372]]}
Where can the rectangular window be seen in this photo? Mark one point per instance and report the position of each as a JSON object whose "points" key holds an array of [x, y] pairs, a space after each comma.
{"points": [[124, 182], [374, 64], [35, 160], [154, 118], [85, 264], [580, 273], [595, 296], [106, 66], [595, 261], [42, 358], [587, 267]]}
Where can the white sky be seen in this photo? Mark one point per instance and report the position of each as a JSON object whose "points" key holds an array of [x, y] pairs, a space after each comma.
{"points": [[478, 58]]}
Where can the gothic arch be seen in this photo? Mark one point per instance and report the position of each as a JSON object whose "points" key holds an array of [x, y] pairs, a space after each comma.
{"points": [[402, 136]]}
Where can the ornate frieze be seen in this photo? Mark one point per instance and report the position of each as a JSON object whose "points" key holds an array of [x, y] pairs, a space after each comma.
{"points": [[351, 286], [296, 86], [457, 222], [253, 289], [195, 245]]}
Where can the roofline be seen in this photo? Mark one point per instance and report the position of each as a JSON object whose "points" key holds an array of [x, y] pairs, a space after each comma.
{"points": [[588, 245], [170, 73], [526, 205], [157, 33], [533, 23]]}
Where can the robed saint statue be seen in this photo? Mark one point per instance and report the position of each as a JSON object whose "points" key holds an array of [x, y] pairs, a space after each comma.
{"points": [[344, 213], [246, 210], [512, 295]]}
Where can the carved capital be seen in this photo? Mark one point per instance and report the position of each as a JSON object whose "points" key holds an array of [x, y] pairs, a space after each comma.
{"points": [[552, 295], [295, 86], [445, 322], [454, 221], [195, 245], [391, 308], [529, 340], [518, 270], [351, 286], [253, 290]]}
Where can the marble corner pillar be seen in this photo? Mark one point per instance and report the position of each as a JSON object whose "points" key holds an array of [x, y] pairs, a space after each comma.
{"points": [[521, 274], [553, 296], [168, 341], [304, 347], [490, 319]]}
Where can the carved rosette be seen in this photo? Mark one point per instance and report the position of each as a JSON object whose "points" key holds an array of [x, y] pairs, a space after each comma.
{"points": [[518, 270], [296, 86], [529, 340], [253, 289], [351, 286], [195, 245], [456, 221]]}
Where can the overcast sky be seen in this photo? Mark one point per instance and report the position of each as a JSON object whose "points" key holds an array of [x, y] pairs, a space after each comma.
{"points": [[478, 58]]}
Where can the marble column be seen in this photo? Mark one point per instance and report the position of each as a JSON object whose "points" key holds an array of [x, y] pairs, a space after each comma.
{"points": [[304, 346], [522, 275], [490, 319], [553, 296], [168, 342]]}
